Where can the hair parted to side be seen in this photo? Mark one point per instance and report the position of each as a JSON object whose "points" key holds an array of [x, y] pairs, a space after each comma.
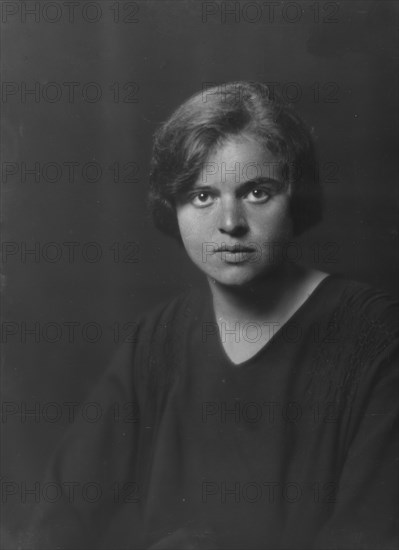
{"points": [[184, 142]]}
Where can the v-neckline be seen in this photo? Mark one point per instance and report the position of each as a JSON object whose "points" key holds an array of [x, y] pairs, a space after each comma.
{"points": [[276, 334]]}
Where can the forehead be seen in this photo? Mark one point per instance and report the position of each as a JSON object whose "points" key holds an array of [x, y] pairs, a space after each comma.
{"points": [[239, 159]]}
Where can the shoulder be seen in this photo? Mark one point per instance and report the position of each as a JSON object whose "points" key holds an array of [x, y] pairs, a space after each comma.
{"points": [[168, 316], [360, 335], [160, 322], [352, 345], [360, 306], [153, 339]]}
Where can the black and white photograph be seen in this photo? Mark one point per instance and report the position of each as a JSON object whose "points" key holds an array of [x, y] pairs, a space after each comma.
{"points": [[199, 275]]}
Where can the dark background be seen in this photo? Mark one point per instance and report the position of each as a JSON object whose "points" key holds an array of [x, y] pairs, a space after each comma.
{"points": [[339, 68]]}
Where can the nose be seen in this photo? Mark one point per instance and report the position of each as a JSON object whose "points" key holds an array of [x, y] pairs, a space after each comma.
{"points": [[232, 220]]}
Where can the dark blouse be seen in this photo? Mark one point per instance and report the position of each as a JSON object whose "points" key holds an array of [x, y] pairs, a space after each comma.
{"points": [[296, 448]]}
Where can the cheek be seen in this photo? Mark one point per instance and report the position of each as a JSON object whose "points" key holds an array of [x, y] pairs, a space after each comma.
{"points": [[277, 223], [189, 231], [185, 224]]}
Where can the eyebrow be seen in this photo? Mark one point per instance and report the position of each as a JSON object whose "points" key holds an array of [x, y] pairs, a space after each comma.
{"points": [[247, 185]]}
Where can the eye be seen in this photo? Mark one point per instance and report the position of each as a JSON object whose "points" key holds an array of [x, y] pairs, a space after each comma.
{"points": [[201, 199], [257, 194]]}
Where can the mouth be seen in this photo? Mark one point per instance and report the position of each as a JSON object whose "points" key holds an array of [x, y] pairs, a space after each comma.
{"points": [[234, 249], [235, 254]]}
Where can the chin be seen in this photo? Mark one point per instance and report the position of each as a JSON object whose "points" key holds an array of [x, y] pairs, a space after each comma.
{"points": [[238, 277]]}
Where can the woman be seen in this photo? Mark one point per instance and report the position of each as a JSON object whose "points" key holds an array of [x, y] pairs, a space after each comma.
{"points": [[262, 412]]}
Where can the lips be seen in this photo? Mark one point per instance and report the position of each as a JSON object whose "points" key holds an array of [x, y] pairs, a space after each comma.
{"points": [[234, 248]]}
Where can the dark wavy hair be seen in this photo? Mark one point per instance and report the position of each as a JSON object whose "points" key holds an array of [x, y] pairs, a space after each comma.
{"points": [[184, 142]]}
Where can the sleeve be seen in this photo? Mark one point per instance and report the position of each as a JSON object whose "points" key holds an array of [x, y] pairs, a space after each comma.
{"points": [[90, 496], [366, 515]]}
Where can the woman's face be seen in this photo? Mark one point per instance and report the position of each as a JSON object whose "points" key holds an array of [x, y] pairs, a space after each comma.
{"points": [[235, 222]]}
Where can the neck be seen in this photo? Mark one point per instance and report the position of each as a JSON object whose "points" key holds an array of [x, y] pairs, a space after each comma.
{"points": [[258, 300]]}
